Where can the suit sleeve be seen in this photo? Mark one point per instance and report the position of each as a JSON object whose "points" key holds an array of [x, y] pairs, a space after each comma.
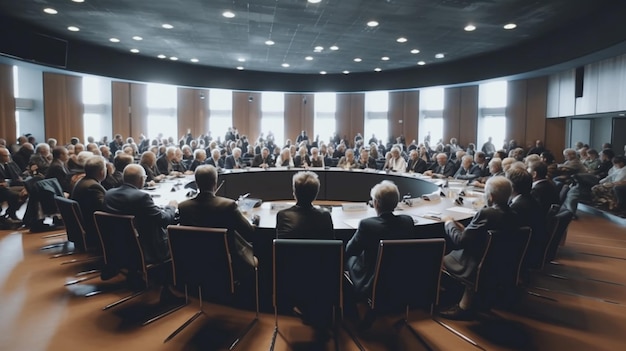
{"points": [[356, 245], [96, 193], [165, 216], [461, 238]]}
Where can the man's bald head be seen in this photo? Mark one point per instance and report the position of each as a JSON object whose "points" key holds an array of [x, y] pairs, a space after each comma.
{"points": [[134, 175]]}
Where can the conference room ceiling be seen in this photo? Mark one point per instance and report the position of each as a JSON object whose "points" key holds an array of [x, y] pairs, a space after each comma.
{"points": [[201, 32]]}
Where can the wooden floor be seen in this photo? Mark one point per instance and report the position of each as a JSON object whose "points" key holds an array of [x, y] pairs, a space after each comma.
{"points": [[588, 310]]}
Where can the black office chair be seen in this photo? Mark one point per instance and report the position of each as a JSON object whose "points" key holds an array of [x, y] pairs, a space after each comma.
{"points": [[552, 221], [41, 193], [123, 253], [563, 218], [201, 259], [308, 276], [407, 276]]}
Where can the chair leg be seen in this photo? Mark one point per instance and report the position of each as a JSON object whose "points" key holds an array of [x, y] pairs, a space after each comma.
{"points": [[243, 333], [76, 260], [459, 334], [273, 343], [182, 327], [80, 280], [54, 246], [129, 297], [164, 314], [53, 235], [92, 271]]}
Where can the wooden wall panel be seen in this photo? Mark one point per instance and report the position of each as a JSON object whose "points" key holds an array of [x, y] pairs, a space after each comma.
{"points": [[7, 104], [395, 117], [308, 115], [247, 114], [120, 101], [294, 116], [555, 137], [516, 111], [410, 123], [468, 120], [537, 91], [139, 111], [451, 114], [192, 110], [350, 115], [63, 108]]}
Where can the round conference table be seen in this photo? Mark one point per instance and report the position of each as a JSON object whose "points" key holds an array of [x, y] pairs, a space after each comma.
{"points": [[345, 193]]}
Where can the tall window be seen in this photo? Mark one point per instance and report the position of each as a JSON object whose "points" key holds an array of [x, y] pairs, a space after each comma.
{"points": [[273, 115], [376, 111], [492, 113], [325, 109], [162, 119], [431, 115], [220, 111], [16, 90], [95, 108]]}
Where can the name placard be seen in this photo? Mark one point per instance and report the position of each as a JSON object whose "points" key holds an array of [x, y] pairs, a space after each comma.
{"points": [[354, 207], [279, 206]]}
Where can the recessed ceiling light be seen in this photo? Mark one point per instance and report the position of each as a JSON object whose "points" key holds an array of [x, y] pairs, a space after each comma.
{"points": [[241, 59], [377, 69], [269, 42], [372, 24], [285, 65], [470, 28], [318, 48], [174, 58], [421, 63], [357, 59], [114, 40], [134, 51], [78, 0], [415, 51], [322, 72], [314, 1], [334, 48], [385, 58], [228, 14], [50, 11], [402, 40], [73, 29], [309, 58], [510, 26], [167, 26], [440, 56], [161, 56], [240, 68], [194, 60], [345, 72], [136, 37]]}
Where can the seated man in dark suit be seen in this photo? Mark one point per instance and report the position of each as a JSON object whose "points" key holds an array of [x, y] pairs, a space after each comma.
{"points": [[467, 171], [443, 168], [165, 162], [58, 168], [150, 220], [89, 194], [365, 160], [216, 159], [529, 212], [209, 210], [303, 221], [362, 249], [263, 160], [12, 184], [543, 190], [415, 163], [467, 242], [234, 161]]}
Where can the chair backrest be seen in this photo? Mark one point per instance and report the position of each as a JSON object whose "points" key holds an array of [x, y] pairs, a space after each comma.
{"points": [[503, 261], [563, 219], [72, 218], [407, 274], [563, 193], [120, 242], [308, 270], [552, 222], [201, 257]]}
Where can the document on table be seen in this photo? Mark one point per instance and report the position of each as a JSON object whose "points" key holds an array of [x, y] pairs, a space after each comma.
{"points": [[462, 210], [352, 223]]}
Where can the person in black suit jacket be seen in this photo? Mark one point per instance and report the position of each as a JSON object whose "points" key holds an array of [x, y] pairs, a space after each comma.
{"points": [[215, 160], [365, 161], [89, 194], [362, 249], [415, 163], [13, 190], [150, 220], [209, 210], [480, 165], [165, 162], [443, 168], [303, 221], [467, 242], [543, 189], [58, 168], [529, 213], [467, 171], [148, 162], [263, 160], [116, 144], [234, 161]]}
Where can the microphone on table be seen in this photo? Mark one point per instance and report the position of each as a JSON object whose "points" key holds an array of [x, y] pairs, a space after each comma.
{"points": [[220, 186]]}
